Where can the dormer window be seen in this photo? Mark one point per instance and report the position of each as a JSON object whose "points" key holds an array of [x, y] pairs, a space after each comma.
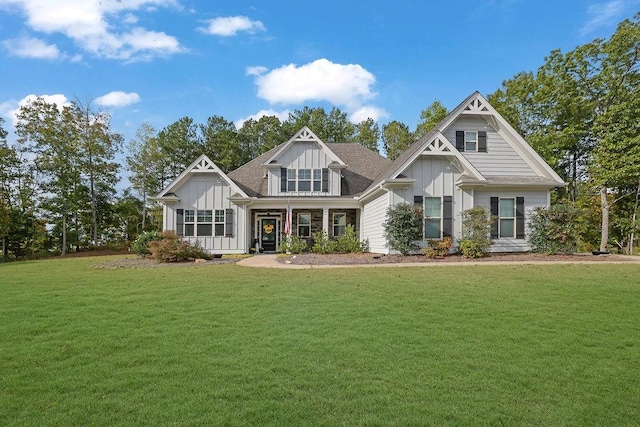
{"points": [[470, 141], [304, 180]]}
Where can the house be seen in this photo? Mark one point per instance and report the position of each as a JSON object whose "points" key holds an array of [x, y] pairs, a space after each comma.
{"points": [[473, 157]]}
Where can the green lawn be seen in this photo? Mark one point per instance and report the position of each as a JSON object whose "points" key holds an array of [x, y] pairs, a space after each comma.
{"points": [[230, 345]]}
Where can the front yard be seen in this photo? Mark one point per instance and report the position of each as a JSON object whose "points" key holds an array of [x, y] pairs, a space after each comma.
{"points": [[228, 345]]}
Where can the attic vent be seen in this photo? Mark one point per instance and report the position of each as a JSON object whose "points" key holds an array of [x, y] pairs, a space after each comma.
{"points": [[476, 105]]}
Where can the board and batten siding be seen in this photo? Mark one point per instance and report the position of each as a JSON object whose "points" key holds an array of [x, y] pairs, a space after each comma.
{"points": [[374, 214], [499, 160], [210, 192], [532, 200], [304, 155]]}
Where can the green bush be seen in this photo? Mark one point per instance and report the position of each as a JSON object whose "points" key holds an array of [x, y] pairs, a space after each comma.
{"points": [[173, 249], [476, 232], [140, 246], [293, 245], [348, 242], [320, 242], [554, 230], [403, 228]]}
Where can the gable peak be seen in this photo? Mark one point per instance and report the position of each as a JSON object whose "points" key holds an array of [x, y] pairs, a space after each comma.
{"points": [[204, 164], [476, 105]]}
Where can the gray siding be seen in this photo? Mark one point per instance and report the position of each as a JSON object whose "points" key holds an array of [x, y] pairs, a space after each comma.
{"points": [[532, 199], [499, 160], [210, 192], [373, 216], [304, 155]]}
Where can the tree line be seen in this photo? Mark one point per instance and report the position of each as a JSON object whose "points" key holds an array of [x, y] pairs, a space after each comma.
{"points": [[580, 110]]}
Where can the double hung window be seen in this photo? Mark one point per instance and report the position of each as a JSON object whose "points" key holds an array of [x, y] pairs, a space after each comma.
{"points": [[204, 222], [219, 222], [339, 224], [470, 141], [507, 218], [304, 179], [432, 217], [189, 222], [304, 225]]}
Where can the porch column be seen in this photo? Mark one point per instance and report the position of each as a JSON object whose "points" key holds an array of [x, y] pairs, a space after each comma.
{"points": [[325, 220]]}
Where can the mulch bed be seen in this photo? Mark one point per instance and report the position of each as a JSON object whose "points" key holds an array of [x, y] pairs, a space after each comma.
{"points": [[368, 258], [134, 261]]}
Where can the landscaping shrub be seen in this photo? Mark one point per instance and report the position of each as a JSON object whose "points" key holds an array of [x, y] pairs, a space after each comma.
{"points": [[140, 246], [476, 229], [173, 249], [293, 245], [403, 228], [438, 248], [554, 230], [348, 242], [320, 242]]}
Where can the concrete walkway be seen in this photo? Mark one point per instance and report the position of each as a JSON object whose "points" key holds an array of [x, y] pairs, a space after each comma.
{"points": [[270, 261]]}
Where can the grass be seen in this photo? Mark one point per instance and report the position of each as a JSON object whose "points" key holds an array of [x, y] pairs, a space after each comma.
{"points": [[227, 345]]}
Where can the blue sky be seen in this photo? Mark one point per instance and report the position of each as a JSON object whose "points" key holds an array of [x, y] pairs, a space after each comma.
{"points": [[160, 60]]}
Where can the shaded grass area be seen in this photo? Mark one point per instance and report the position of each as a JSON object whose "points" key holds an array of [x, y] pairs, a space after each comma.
{"points": [[227, 345]]}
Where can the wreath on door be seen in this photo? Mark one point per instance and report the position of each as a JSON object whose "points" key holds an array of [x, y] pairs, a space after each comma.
{"points": [[268, 228]]}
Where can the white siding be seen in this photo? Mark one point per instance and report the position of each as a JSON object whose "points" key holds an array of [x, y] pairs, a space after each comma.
{"points": [[304, 155], [210, 192], [532, 200], [499, 160], [373, 216]]}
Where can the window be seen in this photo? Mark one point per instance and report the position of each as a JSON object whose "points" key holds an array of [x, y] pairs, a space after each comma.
{"points": [[339, 224], [304, 225], [219, 222], [507, 217], [189, 222], [317, 179], [432, 217], [204, 220], [291, 180], [304, 180], [470, 141]]}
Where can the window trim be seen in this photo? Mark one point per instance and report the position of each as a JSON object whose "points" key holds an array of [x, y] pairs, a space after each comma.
{"points": [[333, 222], [298, 225], [427, 218], [317, 181]]}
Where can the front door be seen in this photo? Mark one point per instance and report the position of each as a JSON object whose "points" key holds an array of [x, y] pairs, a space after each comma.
{"points": [[268, 233]]}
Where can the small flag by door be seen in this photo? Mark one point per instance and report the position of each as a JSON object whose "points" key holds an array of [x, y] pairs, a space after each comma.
{"points": [[287, 221]]}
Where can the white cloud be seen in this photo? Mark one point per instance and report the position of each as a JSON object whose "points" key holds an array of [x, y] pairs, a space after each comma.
{"points": [[348, 86], [117, 99], [368, 112], [28, 47], [282, 115], [320, 80], [96, 26], [603, 14], [231, 26]]}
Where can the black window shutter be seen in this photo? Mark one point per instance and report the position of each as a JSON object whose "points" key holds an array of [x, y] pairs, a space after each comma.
{"points": [[460, 140], [417, 200], [325, 180], [283, 179], [519, 217], [447, 216], [228, 223], [482, 141], [494, 215], [179, 222]]}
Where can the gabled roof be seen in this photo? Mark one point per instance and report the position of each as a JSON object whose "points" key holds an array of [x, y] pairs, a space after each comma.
{"points": [[201, 165], [305, 135], [435, 143]]}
